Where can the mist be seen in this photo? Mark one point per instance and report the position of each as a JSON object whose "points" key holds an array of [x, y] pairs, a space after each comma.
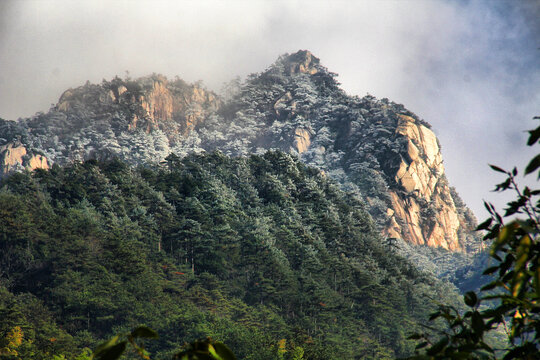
{"points": [[470, 68]]}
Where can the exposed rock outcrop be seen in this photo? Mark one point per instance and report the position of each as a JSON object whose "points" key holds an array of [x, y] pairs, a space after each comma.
{"points": [[186, 108], [14, 156], [423, 211], [154, 102], [302, 61], [302, 140], [285, 105]]}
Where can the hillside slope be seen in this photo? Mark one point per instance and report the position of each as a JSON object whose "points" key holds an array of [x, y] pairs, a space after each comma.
{"points": [[254, 251], [374, 147]]}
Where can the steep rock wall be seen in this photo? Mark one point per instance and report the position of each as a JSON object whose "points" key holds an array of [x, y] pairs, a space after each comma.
{"points": [[423, 211], [153, 103], [302, 140], [14, 156]]}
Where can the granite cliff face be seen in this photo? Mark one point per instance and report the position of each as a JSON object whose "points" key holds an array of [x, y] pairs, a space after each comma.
{"points": [[14, 156], [154, 103], [302, 140], [421, 182], [378, 150]]}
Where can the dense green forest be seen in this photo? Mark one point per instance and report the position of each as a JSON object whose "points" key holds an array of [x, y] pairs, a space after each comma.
{"points": [[262, 252], [297, 106]]}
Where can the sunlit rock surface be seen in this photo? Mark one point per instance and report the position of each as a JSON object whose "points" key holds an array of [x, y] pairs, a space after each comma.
{"points": [[14, 156], [421, 181]]}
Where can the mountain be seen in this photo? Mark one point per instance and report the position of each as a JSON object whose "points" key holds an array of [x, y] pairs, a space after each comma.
{"points": [[261, 252], [376, 148], [284, 217]]}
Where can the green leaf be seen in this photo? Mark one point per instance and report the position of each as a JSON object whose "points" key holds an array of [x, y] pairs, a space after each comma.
{"points": [[213, 353], [504, 185], [488, 207], [491, 285], [504, 236], [533, 165], [470, 298], [144, 332], [490, 270], [477, 323], [104, 346], [223, 351], [523, 252], [496, 257], [534, 135], [516, 353], [484, 225], [438, 347], [537, 281], [519, 280], [114, 352], [498, 169]]}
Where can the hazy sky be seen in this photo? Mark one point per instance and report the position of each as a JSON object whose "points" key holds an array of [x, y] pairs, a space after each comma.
{"points": [[470, 68]]}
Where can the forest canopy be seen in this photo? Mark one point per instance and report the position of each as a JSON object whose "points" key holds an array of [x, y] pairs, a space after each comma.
{"points": [[262, 253]]}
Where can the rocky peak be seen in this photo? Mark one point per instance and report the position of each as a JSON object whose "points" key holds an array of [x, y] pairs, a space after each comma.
{"points": [[151, 102], [302, 61]]}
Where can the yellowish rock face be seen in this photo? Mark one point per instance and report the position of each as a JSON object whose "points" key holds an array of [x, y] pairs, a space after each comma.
{"points": [[305, 63], [160, 105], [13, 155], [420, 178], [302, 140], [38, 162]]}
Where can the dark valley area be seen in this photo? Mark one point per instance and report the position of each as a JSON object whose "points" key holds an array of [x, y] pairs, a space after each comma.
{"points": [[282, 217]]}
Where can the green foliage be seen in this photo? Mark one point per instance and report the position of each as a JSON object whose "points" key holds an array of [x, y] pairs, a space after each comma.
{"points": [[115, 347], [205, 350], [248, 251], [354, 140], [513, 297]]}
